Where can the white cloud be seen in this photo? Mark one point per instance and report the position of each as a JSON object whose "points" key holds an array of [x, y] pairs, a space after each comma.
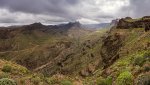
{"points": [[86, 11], [87, 21]]}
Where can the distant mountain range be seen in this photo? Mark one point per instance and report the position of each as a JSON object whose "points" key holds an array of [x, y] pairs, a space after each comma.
{"points": [[87, 26], [97, 26]]}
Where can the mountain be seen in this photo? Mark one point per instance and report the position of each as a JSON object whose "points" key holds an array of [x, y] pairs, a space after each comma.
{"points": [[97, 26], [69, 54], [37, 45]]}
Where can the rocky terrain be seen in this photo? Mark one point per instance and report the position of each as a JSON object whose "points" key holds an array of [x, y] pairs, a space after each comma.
{"points": [[69, 54], [128, 22]]}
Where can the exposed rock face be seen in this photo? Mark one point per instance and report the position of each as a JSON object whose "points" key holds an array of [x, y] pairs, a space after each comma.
{"points": [[7, 33], [110, 48], [127, 23]]}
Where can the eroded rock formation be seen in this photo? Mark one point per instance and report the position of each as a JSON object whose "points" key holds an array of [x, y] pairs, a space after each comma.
{"points": [[127, 23]]}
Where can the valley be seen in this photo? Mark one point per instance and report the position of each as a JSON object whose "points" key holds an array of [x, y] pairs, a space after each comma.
{"points": [[71, 54]]}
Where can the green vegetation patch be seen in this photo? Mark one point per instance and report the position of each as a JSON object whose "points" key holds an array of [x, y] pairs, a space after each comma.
{"points": [[6, 81], [7, 68], [125, 78], [102, 81], [66, 82]]}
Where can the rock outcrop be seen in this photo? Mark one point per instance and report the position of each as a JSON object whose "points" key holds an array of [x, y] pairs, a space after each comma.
{"points": [[127, 23], [110, 48]]}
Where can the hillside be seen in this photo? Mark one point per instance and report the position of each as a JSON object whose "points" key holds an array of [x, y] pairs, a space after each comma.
{"points": [[37, 46], [125, 54], [70, 53]]}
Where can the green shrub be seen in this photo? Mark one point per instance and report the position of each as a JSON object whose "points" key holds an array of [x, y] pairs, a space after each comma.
{"points": [[100, 81], [22, 81], [23, 70], [125, 78], [7, 68], [36, 80], [147, 56], [107, 81], [146, 66], [139, 61], [4, 75], [6, 81], [52, 81], [143, 79], [66, 82]]}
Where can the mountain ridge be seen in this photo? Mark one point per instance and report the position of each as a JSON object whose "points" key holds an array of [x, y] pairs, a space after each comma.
{"points": [[71, 52]]}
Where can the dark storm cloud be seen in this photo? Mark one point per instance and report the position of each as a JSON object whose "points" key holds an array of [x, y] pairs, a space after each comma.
{"points": [[52, 7], [58, 11], [8, 20], [140, 7]]}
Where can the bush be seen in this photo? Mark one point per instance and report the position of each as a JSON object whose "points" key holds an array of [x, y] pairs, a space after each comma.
{"points": [[101, 81], [23, 70], [143, 79], [107, 81], [52, 81], [4, 75], [147, 56], [125, 78], [36, 80], [6, 81], [139, 61], [22, 81], [146, 66], [6, 68], [66, 82]]}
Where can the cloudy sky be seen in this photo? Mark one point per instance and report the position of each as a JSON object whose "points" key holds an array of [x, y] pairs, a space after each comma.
{"points": [[61, 11]]}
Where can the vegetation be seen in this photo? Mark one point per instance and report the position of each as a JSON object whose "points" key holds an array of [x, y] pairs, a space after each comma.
{"points": [[7, 68], [6, 81], [36, 80], [66, 82], [143, 79], [125, 78], [139, 61], [4, 75], [45, 56], [107, 81]]}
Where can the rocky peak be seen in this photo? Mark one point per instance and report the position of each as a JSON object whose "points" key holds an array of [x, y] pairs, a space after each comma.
{"points": [[146, 17], [37, 24], [127, 18], [75, 24], [34, 26]]}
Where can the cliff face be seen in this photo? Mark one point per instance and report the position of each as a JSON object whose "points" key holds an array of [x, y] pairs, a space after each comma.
{"points": [[126, 23], [111, 47], [128, 36]]}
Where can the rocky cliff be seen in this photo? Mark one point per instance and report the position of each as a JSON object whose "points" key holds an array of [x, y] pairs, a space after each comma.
{"points": [[128, 22]]}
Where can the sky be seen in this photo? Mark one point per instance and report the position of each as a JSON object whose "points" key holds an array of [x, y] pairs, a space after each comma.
{"points": [[62, 11]]}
